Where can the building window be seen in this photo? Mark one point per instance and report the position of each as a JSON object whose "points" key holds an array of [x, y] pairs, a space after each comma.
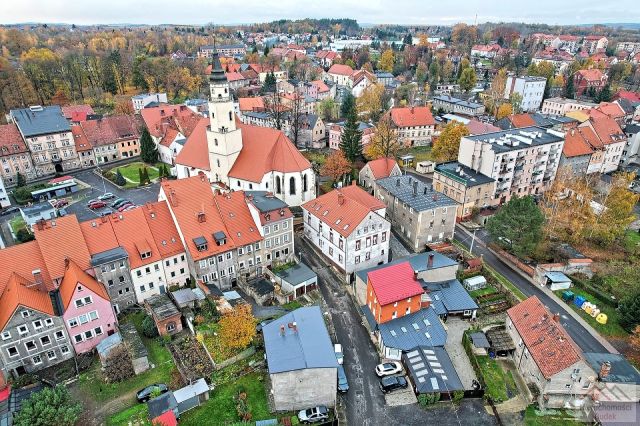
{"points": [[6, 335], [12, 351], [292, 186], [22, 329], [59, 335], [171, 326], [30, 345], [36, 360], [97, 331], [37, 324], [45, 340], [51, 355]]}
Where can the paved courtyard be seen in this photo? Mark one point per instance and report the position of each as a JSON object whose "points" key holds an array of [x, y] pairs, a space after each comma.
{"points": [[455, 329]]}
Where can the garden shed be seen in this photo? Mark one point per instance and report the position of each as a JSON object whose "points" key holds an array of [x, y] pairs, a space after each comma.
{"points": [[296, 281], [165, 314], [191, 395], [139, 354], [107, 345], [163, 404], [557, 281], [475, 283]]}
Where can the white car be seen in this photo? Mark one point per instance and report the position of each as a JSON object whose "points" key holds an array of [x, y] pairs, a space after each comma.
{"points": [[106, 196], [339, 355], [388, 368]]}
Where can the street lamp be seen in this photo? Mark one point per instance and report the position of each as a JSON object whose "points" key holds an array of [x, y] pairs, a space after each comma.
{"points": [[473, 239]]}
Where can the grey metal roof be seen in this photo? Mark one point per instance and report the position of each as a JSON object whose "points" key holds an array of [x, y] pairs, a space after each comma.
{"points": [[162, 306], [109, 343], [449, 296], [557, 277], [431, 370], [40, 121], [132, 338], [621, 370], [184, 296], [196, 388], [199, 241], [37, 209], [418, 262], [524, 137], [257, 114], [463, 174], [422, 328], [266, 203], [380, 74], [456, 101], [479, 340], [108, 256], [161, 404], [219, 236], [415, 193], [308, 347], [261, 286], [296, 274]]}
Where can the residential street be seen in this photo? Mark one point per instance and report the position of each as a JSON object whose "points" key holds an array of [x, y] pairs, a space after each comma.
{"points": [[583, 339], [365, 404]]}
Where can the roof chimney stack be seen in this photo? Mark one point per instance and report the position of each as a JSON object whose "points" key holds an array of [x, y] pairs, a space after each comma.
{"points": [[605, 369], [430, 261], [340, 198], [556, 317]]}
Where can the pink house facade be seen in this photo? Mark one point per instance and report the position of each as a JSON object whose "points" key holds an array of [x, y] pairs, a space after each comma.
{"points": [[88, 315]]}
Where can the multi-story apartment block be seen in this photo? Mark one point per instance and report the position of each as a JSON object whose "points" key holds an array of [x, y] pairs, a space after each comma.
{"points": [[4, 197], [415, 126], [628, 46], [610, 138], [416, 210], [470, 189], [237, 49], [457, 106], [530, 88], [594, 43], [522, 161], [561, 106], [142, 100], [578, 153], [14, 156], [349, 228], [48, 136]]}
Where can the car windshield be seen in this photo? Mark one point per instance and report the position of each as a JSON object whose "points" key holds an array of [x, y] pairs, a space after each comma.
{"points": [[388, 366], [309, 412]]}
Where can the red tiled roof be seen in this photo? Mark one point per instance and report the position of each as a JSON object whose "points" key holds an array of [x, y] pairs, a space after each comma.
{"points": [[74, 276], [522, 120], [163, 229], [607, 129], [340, 69], [321, 85], [611, 109], [251, 104], [547, 341], [394, 283], [99, 235], [265, 150], [135, 237], [478, 128], [80, 139], [630, 96], [575, 144], [124, 126], [346, 216], [593, 74], [77, 112], [20, 291], [98, 132], [195, 152], [158, 119], [382, 167], [234, 76], [60, 239], [237, 218], [11, 141], [24, 260], [412, 116]]}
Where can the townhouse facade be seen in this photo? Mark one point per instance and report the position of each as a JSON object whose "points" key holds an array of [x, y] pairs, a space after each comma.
{"points": [[336, 130], [414, 126], [561, 106], [349, 228], [416, 210], [377, 169], [14, 156], [522, 161], [453, 105], [470, 189]]}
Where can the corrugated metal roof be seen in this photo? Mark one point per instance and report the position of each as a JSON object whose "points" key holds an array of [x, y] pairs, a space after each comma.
{"points": [[307, 347], [296, 274], [196, 388], [422, 328], [431, 370], [451, 294], [557, 277], [418, 261]]}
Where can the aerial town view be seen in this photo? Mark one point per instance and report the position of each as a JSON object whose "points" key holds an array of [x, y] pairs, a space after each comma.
{"points": [[336, 213]]}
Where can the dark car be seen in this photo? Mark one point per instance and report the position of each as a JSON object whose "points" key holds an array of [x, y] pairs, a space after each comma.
{"points": [[118, 201], [10, 210], [343, 384], [120, 204], [314, 415], [125, 206], [144, 395], [391, 383]]}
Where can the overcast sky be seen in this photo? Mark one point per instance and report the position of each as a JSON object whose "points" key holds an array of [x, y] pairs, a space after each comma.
{"points": [[364, 11]]}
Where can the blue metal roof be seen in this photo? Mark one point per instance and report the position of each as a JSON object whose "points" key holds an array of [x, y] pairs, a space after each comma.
{"points": [[450, 296], [108, 343], [410, 331], [308, 347], [431, 370], [418, 262], [36, 121]]}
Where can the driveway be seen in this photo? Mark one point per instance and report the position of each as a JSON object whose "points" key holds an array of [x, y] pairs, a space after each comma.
{"points": [[365, 403], [455, 329], [396, 248], [580, 336]]}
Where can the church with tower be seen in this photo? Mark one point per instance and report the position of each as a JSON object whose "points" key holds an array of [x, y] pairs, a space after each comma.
{"points": [[241, 156]]}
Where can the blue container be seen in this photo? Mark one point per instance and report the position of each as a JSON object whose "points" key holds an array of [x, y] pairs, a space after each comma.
{"points": [[579, 301]]}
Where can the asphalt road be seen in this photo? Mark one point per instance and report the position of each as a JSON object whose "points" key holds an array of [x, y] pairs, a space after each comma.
{"points": [[364, 402], [583, 338]]}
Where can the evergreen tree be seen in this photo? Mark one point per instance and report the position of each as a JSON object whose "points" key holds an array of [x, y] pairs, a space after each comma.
{"points": [[591, 92], [630, 311], [50, 406], [517, 225], [266, 50], [119, 179], [350, 143], [140, 176], [570, 90], [145, 175], [20, 180], [348, 104], [269, 84], [148, 150], [605, 94]]}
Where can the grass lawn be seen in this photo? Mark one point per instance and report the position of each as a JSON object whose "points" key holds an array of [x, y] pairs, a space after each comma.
{"points": [[317, 157], [631, 241], [497, 381], [489, 289], [93, 384], [421, 153], [612, 328], [138, 414], [17, 223], [533, 417], [293, 305], [221, 407], [131, 174]]}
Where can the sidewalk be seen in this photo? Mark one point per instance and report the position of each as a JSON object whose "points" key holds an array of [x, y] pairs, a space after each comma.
{"points": [[604, 342]]}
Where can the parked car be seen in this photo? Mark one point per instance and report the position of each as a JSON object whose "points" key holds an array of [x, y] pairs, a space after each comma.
{"points": [[144, 395], [339, 355], [343, 384], [120, 204], [124, 207], [117, 201], [388, 368], [106, 196], [391, 383], [93, 201], [105, 212], [58, 204], [97, 205], [131, 207], [314, 415]]}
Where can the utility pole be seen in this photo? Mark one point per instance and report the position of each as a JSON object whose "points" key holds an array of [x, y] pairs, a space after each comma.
{"points": [[473, 239]]}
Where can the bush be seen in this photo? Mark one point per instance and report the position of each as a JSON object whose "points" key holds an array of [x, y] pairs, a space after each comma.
{"points": [[50, 406], [118, 366], [23, 235], [457, 396], [149, 328], [426, 399]]}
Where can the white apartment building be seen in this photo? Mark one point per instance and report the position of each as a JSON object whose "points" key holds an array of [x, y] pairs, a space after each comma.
{"points": [[349, 228], [561, 106], [144, 99], [522, 161], [529, 87]]}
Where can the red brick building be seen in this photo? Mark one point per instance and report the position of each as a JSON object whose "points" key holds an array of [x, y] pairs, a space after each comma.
{"points": [[583, 80]]}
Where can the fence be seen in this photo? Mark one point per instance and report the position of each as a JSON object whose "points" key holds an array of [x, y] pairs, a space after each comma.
{"points": [[513, 259], [242, 355]]}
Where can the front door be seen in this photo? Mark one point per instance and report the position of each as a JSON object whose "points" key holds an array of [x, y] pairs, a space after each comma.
{"points": [[162, 289]]}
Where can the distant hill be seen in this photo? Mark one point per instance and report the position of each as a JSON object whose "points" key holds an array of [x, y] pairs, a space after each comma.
{"points": [[623, 25]]}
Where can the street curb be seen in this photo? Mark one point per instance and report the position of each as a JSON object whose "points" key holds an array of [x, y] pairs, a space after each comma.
{"points": [[604, 342]]}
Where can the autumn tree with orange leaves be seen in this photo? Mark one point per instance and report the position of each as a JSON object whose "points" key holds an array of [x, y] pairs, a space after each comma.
{"points": [[237, 327], [336, 166]]}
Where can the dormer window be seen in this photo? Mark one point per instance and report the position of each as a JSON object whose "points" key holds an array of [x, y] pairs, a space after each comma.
{"points": [[200, 243], [145, 255]]}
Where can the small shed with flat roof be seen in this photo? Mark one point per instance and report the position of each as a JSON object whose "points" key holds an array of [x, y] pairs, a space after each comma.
{"points": [[296, 281], [557, 281]]}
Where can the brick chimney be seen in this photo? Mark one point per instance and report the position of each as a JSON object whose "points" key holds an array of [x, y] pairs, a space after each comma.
{"points": [[605, 369], [340, 198], [430, 261], [556, 317], [38, 280], [425, 300]]}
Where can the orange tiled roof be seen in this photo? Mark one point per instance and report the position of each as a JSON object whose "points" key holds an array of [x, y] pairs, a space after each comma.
{"points": [[75, 111], [99, 235], [24, 259], [11, 141], [195, 152], [610, 109], [237, 218], [234, 76], [592, 74], [265, 150], [251, 104], [99, 132], [163, 229], [522, 120], [135, 237], [20, 291], [547, 341], [382, 167], [157, 119], [73, 276], [59, 239], [575, 144], [607, 129], [340, 69], [321, 85], [412, 116], [343, 218], [80, 139]]}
